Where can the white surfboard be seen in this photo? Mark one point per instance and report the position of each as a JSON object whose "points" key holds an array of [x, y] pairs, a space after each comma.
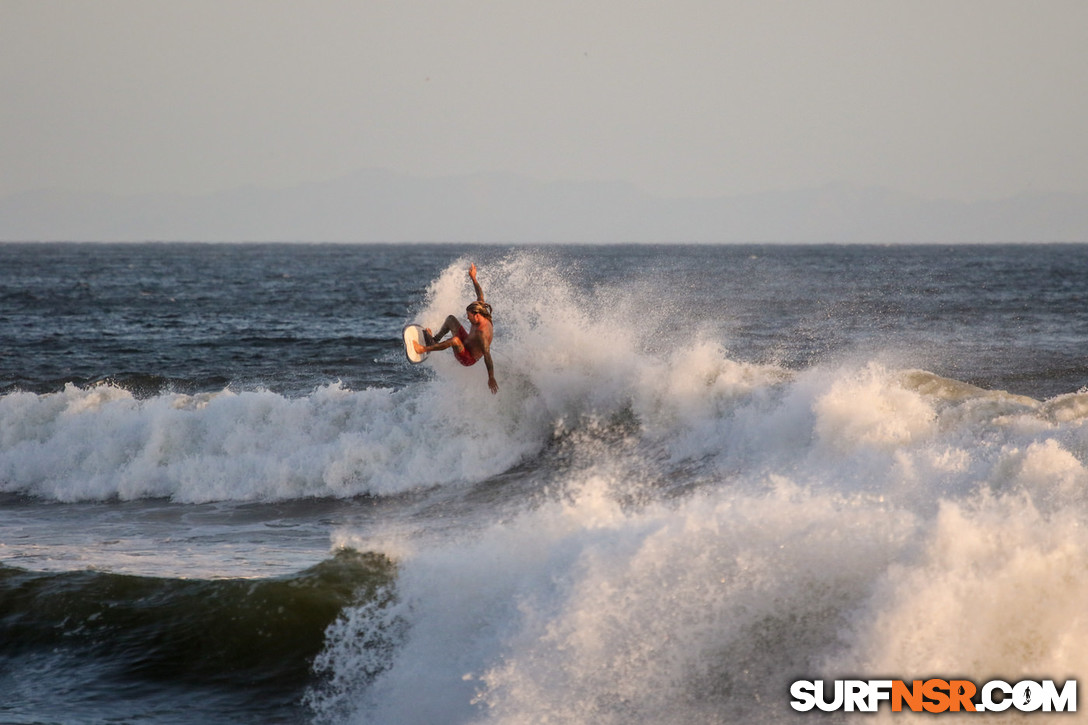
{"points": [[414, 333]]}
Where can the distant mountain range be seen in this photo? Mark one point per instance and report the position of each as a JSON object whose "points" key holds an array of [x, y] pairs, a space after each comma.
{"points": [[381, 206]]}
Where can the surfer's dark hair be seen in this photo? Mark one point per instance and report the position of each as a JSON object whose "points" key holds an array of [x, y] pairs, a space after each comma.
{"points": [[480, 308]]}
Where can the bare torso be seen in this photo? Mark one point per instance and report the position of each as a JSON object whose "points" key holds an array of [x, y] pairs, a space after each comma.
{"points": [[479, 338]]}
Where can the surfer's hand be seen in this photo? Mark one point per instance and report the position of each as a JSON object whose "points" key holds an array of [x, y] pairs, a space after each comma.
{"points": [[472, 272], [493, 385]]}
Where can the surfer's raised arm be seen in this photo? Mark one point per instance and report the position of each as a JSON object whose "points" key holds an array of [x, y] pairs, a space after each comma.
{"points": [[475, 283]]}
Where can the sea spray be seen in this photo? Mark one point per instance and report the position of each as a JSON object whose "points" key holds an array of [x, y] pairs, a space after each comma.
{"points": [[997, 592], [562, 356], [821, 551], [824, 428], [583, 610]]}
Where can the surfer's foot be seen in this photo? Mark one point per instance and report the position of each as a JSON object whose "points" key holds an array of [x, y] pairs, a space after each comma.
{"points": [[427, 336], [418, 348]]}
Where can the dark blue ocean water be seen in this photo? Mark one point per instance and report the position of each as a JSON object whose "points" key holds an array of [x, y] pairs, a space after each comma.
{"points": [[226, 496], [291, 317]]}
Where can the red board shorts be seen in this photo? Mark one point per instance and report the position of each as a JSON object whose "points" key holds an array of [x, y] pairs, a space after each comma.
{"points": [[463, 355]]}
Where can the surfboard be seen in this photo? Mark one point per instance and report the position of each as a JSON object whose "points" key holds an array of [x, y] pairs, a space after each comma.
{"points": [[412, 333]]}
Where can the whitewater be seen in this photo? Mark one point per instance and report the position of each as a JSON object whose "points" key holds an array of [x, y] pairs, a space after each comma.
{"points": [[708, 473]]}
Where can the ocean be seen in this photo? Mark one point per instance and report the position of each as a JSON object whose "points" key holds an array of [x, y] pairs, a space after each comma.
{"points": [[709, 471]]}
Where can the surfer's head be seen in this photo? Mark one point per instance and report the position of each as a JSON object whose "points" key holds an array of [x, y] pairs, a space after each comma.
{"points": [[479, 308]]}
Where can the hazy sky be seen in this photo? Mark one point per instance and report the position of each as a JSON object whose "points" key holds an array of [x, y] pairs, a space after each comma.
{"points": [[964, 99]]}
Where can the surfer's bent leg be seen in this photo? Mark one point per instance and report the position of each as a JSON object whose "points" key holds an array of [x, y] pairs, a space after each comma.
{"points": [[454, 342], [450, 325]]}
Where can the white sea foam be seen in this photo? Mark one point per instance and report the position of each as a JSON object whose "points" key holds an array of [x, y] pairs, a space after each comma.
{"points": [[997, 592], [842, 521], [584, 612], [706, 608], [103, 443]]}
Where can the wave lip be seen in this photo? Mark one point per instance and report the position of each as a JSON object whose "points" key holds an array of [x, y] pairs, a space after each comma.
{"points": [[103, 443]]}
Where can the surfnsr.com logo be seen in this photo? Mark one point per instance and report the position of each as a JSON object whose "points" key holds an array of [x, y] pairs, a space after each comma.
{"points": [[933, 695]]}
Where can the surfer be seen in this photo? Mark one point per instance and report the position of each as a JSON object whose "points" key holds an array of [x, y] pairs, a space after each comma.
{"points": [[468, 346]]}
